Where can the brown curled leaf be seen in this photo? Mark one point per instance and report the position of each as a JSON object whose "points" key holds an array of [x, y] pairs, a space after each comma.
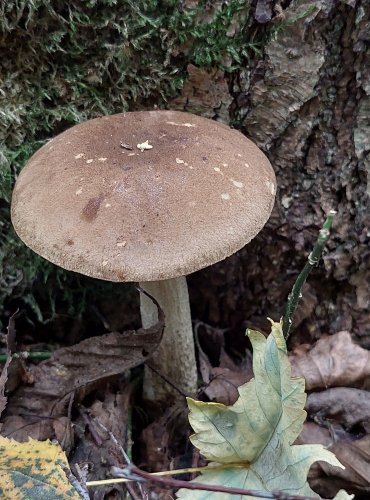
{"points": [[333, 361], [77, 369]]}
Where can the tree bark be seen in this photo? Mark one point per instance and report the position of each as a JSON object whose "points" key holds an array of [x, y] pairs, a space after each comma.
{"points": [[306, 103]]}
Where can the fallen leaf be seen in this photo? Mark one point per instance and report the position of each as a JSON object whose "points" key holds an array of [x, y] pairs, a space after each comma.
{"points": [[13, 370], [3, 379], [253, 438], [102, 433], [160, 438], [222, 381], [75, 370], [33, 470], [333, 361], [348, 406], [11, 344], [355, 477], [64, 433], [314, 434]]}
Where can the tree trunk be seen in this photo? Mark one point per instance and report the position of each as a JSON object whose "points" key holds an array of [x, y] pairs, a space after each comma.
{"points": [[306, 103]]}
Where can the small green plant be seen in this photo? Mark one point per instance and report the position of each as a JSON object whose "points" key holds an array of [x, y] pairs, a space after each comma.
{"points": [[250, 443]]}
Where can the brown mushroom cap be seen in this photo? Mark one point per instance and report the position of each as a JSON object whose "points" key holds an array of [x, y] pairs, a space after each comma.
{"points": [[89, 203]]}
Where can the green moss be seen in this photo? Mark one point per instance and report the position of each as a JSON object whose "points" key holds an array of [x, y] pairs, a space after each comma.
{"points": [[65, 62]]}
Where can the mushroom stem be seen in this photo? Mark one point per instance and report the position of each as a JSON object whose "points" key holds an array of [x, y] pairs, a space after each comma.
{"points": [[175, 356]]}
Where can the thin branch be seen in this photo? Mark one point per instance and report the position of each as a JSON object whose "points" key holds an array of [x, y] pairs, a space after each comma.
{"points": [[78, 486], [313, 259], [130, 488], [137, 474], [166, 379]]}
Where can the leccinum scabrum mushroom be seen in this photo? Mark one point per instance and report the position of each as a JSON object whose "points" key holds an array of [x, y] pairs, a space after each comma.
{"points": [[150, 197]]}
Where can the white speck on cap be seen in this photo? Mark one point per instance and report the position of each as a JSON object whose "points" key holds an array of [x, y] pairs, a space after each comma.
{"points": [[173, 221], [237, 184], [271, 186], [182, 124]]}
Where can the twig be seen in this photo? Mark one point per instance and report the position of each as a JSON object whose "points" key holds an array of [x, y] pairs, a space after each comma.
{"points": [[136, 474], [125, 457], [80, 488], [166, 379], [313, 259]]}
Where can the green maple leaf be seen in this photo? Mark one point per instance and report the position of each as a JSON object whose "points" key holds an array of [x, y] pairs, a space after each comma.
{"points": [[252, 439]]}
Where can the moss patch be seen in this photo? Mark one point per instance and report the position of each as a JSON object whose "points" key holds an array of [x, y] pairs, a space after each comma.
{"points": [[65, 62]]}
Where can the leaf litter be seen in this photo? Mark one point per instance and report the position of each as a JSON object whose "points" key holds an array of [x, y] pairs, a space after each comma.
{"points": [[355, 477], [334, 361], [342, 413], [34, 470], [102, 435], [348, 406], [221, 382], [71, 374], [4, 377]]}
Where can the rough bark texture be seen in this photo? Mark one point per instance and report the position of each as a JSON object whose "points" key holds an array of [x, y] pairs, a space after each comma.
{"points": [[307, 105]]}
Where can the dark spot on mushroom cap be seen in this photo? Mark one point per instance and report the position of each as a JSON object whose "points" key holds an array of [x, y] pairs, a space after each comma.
{"points": [[90, 210], [70, 242]]}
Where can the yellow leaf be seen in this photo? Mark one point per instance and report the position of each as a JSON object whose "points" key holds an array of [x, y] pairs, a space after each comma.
{"points": [[33, 470]]}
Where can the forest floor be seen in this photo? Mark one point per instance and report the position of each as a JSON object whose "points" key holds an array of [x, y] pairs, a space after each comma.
{"points": [[87, 396]]}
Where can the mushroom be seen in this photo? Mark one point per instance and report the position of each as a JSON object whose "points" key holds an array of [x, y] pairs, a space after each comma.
{"points": [[183, 193]]}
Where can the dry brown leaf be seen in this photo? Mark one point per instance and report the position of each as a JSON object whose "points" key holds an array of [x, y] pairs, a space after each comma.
{"points": [[161, 438], [11, 344], [224, 383], [3, 379], [64, 433], [333, 361], [75, 370], [7, 368], [221, 382], [355, 478], [102, 435], [314, 434], [348, 406]]}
